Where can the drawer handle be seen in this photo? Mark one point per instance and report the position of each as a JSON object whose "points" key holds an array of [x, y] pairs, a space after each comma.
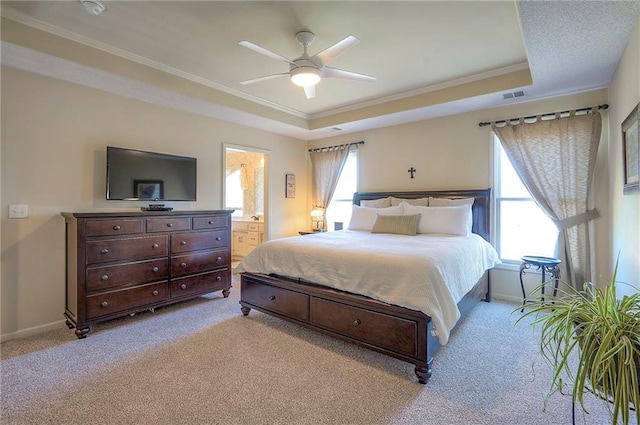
{"points": [[183, 242], [104, 304], [155, 245], [155, 269], [155, 293], [183, 265], [169, 224], [211, 221], [218, 278], [104, 251], [116, 227], [183, 286], [218, 238], [104, 277], [272, 297], [357, 322], [218, 259]]}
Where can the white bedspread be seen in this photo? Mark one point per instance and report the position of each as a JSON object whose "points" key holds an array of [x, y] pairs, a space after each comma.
{"points": [[429, 273]]}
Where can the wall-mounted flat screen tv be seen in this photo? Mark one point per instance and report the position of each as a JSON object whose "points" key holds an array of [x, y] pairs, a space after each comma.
{"points": [[135, 175]]}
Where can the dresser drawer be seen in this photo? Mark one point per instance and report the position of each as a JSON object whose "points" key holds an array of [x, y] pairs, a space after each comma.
{"points": [[200, 284], [125, 299], [380, 329], [105, 250], [254, 238], [199, 262], [210, 222], [168, 224], [254, 227], [114, 227], [101, 278], [185, 242], [279, 300]]}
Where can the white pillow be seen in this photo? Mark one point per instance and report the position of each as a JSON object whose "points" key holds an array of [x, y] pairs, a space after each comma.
{"points": [[376, 203], [446, 202], [419, 201], [363, 218], [442, 220]]}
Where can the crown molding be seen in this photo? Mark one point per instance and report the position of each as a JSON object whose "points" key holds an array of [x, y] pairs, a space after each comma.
{"points": [[24, 19]]}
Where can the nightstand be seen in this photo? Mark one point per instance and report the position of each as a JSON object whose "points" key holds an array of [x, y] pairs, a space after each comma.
{"points": [[545, 265]]}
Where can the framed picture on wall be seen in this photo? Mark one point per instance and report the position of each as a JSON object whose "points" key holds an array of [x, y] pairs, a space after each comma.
{"points": [[148, 189], [290, 188], [630, 152]]}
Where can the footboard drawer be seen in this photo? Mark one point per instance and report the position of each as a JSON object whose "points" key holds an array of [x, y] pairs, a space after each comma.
{"points": [[282, 301], [394, 333]]}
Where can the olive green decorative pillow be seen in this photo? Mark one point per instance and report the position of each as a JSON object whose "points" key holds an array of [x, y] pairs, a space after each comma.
{"points": [[397, 224]]}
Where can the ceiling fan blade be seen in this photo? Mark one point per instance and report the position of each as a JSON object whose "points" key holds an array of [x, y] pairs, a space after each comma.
{"points": [[328, 72], [310, 92], [266, 77], [330, 53], [262, 50]]}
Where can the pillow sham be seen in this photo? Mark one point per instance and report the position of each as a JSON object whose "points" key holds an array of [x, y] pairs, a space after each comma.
{"points": [[419, 201], [376, 203], [446, 202], [397, 224], [443, 220], [363, 218]]}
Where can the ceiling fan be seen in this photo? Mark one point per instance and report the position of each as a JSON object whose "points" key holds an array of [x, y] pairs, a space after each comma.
{"points": [[306, 71]]}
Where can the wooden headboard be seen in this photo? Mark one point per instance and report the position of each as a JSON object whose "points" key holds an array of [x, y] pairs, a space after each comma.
{"points": [[481, 206]]}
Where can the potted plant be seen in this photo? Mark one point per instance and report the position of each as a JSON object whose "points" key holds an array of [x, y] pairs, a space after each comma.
{"points": [[603, 332]]}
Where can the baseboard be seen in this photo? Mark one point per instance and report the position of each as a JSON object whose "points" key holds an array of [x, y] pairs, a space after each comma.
{"points": [[507, 298], [32, 331]]}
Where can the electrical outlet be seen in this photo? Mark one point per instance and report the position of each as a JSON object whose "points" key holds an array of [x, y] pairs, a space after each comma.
{"points": [[18, 211]]}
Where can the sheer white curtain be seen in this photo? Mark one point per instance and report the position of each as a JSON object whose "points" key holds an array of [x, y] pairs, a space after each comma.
{"points": [[555, 159], [326, 166]]}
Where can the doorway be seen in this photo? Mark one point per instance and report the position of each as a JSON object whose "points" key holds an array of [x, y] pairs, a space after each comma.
{"points": [[246, 190]]}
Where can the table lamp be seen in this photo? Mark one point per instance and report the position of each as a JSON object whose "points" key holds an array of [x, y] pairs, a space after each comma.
{"points": [[317, 216]]}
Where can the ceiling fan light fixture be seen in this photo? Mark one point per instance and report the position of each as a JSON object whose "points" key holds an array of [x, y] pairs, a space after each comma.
{"points": [[94, 7], [305, 76]]}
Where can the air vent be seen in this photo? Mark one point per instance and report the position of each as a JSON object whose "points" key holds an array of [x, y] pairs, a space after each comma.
{"points": [[518, 93]]}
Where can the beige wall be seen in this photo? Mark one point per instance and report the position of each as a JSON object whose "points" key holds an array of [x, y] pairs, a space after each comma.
{"points": [[624, 220], [53, 159]]}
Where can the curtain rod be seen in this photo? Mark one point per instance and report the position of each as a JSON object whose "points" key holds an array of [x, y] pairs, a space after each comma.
{"points": [[361, 142], [547, 114]]}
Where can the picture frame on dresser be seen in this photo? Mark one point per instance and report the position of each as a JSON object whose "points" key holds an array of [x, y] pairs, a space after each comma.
{"points": [[631, 152]]}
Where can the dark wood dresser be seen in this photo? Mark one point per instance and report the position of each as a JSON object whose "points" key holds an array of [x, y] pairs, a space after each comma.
{"points": [[123, 263]]}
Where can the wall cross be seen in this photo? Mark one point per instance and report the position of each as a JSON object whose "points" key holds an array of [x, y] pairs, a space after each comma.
{"points": [[411, 170]]}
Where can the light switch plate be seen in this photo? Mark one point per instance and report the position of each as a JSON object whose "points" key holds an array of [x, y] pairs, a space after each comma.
{"points": [[18, 211]]}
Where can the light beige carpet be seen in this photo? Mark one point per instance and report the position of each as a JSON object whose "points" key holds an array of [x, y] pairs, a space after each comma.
{"points": [[202, 362]]}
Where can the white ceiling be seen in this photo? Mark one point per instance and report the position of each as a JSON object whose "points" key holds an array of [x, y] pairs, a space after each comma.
{"points": [[423, 53]]}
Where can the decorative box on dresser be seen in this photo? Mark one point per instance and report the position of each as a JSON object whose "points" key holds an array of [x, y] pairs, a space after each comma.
{"points": [[123, 263]]}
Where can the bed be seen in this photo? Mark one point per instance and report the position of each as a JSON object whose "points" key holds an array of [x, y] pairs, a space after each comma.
{"points": [[375, 287]]}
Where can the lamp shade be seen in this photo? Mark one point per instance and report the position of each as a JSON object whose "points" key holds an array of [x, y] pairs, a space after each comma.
{"points": [[305, 76], [317, 213]]}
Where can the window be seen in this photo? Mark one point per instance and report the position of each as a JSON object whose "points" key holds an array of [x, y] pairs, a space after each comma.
{"points": [[339, 209], [234, 193], [522, 228]]}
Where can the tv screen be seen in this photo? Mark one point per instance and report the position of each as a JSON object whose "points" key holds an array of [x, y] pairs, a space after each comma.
{"points": [[149, 176]]}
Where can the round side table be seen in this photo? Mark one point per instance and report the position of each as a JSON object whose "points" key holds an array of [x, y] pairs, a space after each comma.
{"points": [[545, 265]]}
